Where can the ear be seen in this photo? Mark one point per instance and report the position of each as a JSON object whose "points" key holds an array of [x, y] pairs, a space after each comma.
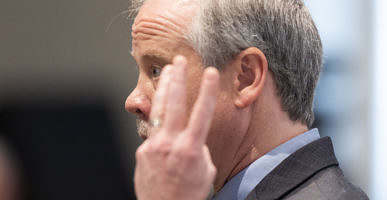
{"points": [[250, 78]]}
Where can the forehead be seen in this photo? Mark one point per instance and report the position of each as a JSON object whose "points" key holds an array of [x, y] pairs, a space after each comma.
{"points": [[176, 10], [177, 14], [162, 23]]}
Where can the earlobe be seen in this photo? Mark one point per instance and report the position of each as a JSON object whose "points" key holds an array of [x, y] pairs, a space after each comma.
{"points": [[251, 75], [243, 101]]}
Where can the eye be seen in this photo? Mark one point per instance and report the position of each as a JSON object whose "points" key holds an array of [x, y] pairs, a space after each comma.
{"points": [[156, 70]]}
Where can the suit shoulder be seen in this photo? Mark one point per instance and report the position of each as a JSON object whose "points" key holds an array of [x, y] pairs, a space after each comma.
{"points": [[328, 183]]}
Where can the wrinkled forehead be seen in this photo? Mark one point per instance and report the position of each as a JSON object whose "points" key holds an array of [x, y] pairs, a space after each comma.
{"points": [[177, 12]]}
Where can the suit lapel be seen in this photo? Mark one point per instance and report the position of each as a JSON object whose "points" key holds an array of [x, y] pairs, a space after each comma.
{"points": [[296, 169]]}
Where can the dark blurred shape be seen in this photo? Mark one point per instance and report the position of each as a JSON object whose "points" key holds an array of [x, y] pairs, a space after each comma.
{"points": [[67, 151], [9, 169]]}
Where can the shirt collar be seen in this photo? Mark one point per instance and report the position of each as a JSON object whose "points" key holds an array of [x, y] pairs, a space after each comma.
{"points": [[245, 181]]}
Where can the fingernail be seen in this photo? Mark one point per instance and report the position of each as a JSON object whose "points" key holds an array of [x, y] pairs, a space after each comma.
{"points": [[166, 70], [179, 60], [212, 73]]}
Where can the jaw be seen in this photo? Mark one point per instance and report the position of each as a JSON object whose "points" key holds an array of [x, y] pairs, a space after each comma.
{"points": [[227, 142]]}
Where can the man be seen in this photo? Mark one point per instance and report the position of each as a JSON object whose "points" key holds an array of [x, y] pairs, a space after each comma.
{"points": [[243, 128]]}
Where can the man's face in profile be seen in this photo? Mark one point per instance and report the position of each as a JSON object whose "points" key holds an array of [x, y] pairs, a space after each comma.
{"points": [[157, 36]]}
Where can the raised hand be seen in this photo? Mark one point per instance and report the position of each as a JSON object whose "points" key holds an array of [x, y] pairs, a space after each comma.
{"points": [[174, 162]]}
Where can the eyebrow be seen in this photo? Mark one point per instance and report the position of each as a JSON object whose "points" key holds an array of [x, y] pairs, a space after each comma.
{"points": [[156, 57], [153, 56]]}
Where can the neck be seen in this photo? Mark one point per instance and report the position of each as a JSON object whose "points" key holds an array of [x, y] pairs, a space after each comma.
{"points": [[265, 136], [266, 126]]}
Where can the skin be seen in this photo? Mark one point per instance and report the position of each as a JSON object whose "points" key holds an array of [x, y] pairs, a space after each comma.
{"points": [[174, 149], [247, 120]]}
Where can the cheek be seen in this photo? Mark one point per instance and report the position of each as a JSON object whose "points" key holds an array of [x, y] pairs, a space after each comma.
{"points": [[146, 87], [224, 138], [192, 94], [223, 119], [193, 88]]}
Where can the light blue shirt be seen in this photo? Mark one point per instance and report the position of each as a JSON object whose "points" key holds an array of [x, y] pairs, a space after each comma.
{"points": [[245, 181]]}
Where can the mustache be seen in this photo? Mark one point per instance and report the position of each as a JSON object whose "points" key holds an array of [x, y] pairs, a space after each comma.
{"points": [[143, 128]]}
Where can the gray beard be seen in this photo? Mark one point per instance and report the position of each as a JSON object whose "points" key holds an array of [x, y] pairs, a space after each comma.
{"points": [[142, 128]]}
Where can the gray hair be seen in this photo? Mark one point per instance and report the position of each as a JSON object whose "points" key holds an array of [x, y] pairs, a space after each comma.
{"points": [[282, 29], [134, 8]]}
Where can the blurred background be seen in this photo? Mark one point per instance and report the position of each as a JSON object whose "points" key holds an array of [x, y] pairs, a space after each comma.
{"points": [[65, 72]]}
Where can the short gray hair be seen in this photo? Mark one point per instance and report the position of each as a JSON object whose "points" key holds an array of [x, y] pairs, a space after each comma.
{"points": [[134, 8], [282, 29]]}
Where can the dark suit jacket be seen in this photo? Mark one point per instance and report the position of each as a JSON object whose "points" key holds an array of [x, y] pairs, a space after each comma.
{"points": [[311, 173]]}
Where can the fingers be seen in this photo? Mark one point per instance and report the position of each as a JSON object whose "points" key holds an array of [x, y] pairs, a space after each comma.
{"points": [[175, 116], [170, 98], [204, 107], [160, 97]]}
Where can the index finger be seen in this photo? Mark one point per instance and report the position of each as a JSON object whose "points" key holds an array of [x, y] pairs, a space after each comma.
{"points": [[203, 111], [159, 99], [175, 118]]}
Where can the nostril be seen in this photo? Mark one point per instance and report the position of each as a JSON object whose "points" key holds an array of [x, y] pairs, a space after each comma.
{"points": [[138, 104], [140, 114]]}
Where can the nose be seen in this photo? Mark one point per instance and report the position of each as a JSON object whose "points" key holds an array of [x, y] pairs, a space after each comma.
{"points": [[138, 103]]}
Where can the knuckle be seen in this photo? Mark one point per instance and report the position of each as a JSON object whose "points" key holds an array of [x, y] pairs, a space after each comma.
{"points": [[162, 148], [141, 151], [193, 155], [154, 148], [189, 154], [213, 171]]}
